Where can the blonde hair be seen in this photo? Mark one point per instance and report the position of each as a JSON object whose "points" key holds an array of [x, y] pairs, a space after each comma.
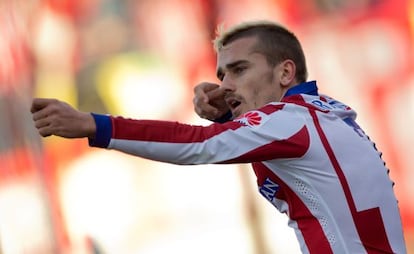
{"points": [[274, 41]]}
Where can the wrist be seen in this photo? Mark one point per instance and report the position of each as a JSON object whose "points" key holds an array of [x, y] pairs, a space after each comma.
{"points": [[224, 118], [89, 125]]}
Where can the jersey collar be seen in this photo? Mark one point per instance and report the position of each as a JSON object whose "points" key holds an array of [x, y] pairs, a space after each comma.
{"points": [[304, 88]]}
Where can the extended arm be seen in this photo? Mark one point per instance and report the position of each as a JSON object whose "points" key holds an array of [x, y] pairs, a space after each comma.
{"points": [[173, 142]]}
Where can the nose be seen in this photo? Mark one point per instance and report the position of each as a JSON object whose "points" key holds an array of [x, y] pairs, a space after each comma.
{"points": [[227, 84]]}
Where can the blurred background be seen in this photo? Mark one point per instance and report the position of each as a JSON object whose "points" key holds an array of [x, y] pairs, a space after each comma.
{"points": [[141, 59]]}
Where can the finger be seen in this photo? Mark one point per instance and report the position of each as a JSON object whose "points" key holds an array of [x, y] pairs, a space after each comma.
{"points": [[42, 108], [42, 123], [201, 89], [216, 93], [40, 103], [202, 107], [200, 97], [45, 131], [205, 87], [39, 115], [207, 111]]}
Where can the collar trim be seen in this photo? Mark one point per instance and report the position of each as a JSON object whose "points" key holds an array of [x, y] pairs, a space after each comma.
{"points": [[309, 88]]}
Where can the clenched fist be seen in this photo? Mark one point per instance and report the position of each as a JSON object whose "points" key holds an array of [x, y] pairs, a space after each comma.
{"points": [[209, 101], [54, 117]]}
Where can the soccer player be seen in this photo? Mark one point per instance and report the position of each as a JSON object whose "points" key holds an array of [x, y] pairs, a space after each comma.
{"points": [[312, 161]]}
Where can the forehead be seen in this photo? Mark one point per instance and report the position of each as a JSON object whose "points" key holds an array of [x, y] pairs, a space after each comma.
{"points": [[236, 50]]}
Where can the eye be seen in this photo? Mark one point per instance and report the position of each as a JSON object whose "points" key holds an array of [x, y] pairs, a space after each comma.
{"points": [[239, 69]]}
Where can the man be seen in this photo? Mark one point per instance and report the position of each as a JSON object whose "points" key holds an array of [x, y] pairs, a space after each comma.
{"points": [[312, 161]]}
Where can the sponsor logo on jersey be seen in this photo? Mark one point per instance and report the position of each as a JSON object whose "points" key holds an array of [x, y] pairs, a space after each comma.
{"points": [[322, 105], [338, 104], [332, 104], [268, 189], [251, 118]]}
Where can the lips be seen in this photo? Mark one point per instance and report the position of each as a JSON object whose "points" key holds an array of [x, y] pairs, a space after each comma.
{"points": [[232, 103]]}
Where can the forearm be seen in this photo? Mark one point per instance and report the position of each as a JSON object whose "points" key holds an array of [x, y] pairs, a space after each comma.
{"points": [[173, 142], [165, 141]]}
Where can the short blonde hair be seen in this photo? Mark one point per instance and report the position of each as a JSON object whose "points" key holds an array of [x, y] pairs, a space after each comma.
{"points": [[274, 41]]}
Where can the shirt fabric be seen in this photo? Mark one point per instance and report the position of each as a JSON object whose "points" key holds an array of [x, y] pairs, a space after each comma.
{"points": [[311, 159]]}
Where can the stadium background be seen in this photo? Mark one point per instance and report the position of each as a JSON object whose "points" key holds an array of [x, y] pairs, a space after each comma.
{"points": [[141, 59]]}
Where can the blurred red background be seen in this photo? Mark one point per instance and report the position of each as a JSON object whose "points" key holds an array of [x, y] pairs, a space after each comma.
{"points": [[142, 59]]}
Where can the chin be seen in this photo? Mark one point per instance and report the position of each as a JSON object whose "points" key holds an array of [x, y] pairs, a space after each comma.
{"points": [[237, 113], [234, 114]]}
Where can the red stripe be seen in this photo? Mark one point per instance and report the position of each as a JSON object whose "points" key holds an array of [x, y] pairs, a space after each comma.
{"points": [[270, 108], [293, 147], [368, 222], [298, 100], [166, 131], [308, 224]]}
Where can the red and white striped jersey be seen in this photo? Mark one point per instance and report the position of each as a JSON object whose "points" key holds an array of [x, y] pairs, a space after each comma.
{"points": [[311, 159]]}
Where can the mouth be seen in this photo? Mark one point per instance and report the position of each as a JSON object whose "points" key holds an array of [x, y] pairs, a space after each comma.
{"points": [[233, 103]]}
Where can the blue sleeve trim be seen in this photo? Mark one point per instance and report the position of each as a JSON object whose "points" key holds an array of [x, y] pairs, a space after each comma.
{"points": [[103, 131], [225, 118]]}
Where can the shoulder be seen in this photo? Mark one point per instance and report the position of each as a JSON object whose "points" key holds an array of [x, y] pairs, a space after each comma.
{"points": [[272, 112]]}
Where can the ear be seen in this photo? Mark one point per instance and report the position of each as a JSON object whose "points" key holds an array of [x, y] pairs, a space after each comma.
{"points": [[287, 72]]}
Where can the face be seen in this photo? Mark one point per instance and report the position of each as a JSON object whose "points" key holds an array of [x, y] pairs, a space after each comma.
{"points": [[249, 81]]}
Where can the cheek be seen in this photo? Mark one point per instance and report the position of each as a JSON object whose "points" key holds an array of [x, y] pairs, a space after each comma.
{"points": [[258, 89], [256, 97], [266, 89]]}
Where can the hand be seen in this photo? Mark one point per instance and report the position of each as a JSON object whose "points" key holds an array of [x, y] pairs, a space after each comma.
{"points": [[209, 101], [53, 117]]}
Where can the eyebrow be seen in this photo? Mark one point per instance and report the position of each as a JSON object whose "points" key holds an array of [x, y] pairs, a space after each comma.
{"points": [[231, 65]]}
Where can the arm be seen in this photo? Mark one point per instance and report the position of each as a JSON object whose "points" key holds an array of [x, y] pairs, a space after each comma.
{"points": [[231, 142], [172, 142], [156, 140], [165, 141]]}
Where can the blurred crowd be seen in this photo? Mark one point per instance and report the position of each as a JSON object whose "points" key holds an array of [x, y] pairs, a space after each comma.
{"points": [[142, 59]]}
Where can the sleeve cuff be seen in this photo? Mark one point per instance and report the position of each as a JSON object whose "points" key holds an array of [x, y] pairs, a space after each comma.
{"points": [[103, 131], [225, 118]]}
